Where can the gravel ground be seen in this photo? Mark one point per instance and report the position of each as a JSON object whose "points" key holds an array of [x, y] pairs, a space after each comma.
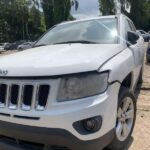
{"points": [[141, 136]]}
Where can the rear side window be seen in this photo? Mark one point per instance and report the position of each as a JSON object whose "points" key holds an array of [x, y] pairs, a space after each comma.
{"points": [[127, 26], [132, 26]]}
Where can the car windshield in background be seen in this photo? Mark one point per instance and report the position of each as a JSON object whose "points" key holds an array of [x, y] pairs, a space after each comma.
{"points": [[100, 31]]}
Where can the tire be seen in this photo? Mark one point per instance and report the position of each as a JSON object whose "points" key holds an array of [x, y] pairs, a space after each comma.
{"points": [[147, 60], [119, 143], [20, 49], [141, 76]]}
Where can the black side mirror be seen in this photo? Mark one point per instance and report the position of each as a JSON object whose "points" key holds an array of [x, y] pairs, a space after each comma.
{"points": [[132, 37]]}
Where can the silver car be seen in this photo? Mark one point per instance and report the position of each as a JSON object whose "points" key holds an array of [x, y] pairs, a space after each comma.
{"points": [[25, 46], [2, 46]]}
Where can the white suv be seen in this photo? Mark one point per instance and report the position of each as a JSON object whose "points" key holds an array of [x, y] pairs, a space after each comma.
{"points": [[75, 89]]}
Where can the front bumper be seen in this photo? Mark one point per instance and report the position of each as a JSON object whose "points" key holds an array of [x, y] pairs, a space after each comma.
{"points": [[55, 126], [26, 138]]}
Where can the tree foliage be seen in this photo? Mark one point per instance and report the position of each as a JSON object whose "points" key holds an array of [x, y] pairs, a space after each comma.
{"points": [[107, 7], [55, 11], [137, 10], [36, 23], [136, 13], [15, 19], [28, 19]]}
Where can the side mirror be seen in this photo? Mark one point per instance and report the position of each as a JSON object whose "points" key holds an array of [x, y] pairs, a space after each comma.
{"points": [[132, 37]]}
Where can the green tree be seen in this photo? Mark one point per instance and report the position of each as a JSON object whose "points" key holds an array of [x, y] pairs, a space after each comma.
{"points": [[137, 10], [16, 17], [36, 24], [146, 17], [47, 6], [61, 10], [14, 14], [107, 7], [55, 11]]}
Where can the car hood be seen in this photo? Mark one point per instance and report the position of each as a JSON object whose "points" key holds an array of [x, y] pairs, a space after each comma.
{"points": [[57, 59]]}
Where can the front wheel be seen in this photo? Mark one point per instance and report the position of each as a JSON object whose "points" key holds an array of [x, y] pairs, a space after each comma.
{"points": [[141, 76], [125, 121], [20, 49]]}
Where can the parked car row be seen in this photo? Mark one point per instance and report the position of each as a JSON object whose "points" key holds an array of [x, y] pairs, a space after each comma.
{"points": [[2, 46], [18, 45], [14, 46], [145, 35], [25, 46]]}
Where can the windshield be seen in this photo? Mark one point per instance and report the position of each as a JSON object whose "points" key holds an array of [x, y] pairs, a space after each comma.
{"points": [[101, 31]]}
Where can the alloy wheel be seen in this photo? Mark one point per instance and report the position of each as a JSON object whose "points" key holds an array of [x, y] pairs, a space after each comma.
{"points": [[125, 119]]}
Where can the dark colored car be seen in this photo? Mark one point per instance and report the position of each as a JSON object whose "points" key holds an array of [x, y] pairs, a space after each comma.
{"points": [[7, 46], [14, 46], [148, 53], [144, 34]]}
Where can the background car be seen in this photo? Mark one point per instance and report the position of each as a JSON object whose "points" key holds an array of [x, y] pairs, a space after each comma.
{"points": [[148, 53], [14, 46], [2, 46], [144, 34], [25, 46]]}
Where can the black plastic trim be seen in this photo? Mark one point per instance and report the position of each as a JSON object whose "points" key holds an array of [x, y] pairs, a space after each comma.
{"points": [[4, 114], [25, 117], [79, 126], [49, 136]]}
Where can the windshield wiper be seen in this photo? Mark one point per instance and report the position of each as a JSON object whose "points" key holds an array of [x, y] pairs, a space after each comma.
{"points": [[39, 45], [78, 41]]}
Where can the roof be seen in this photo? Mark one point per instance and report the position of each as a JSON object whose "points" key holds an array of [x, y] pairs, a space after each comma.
{"points": [[89, 18]]}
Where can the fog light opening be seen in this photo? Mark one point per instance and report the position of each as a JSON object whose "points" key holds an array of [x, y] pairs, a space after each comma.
{"points": [[92, 124]]}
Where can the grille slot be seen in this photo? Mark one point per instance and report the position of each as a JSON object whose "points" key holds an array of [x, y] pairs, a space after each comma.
{"points": [[14, 94], [30, 145], [22, 144], [3, 92], [59, 148], [13, 98], [25, 95], [43, 94]]}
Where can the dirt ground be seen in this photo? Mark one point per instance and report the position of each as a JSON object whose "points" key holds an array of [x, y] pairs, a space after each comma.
{"points": [[141, 136]]}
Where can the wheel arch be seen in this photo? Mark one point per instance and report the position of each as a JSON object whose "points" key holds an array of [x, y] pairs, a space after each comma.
{"points": [[127, 82], [121, 68]]}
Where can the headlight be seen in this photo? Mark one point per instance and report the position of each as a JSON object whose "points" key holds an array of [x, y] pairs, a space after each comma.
{"points": [[82, 85]]}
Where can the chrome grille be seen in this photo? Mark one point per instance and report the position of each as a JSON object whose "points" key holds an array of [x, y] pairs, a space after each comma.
{"points": [[24, 95]]}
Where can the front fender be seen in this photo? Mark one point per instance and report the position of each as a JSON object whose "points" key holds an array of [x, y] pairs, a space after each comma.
{"points": [[119, 66]]}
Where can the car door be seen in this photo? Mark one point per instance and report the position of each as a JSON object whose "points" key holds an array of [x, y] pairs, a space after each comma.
{"points": [[138, 51]]}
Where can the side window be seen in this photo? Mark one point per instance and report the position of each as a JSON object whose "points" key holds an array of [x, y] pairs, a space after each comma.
{"points": [[132, 26], [127, 26]]}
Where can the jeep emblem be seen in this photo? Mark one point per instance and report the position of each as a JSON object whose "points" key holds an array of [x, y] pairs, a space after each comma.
{"points": [[3, 72]]}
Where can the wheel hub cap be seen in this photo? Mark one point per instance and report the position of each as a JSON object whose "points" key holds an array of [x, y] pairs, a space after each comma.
{"points": [[125, 119]]}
